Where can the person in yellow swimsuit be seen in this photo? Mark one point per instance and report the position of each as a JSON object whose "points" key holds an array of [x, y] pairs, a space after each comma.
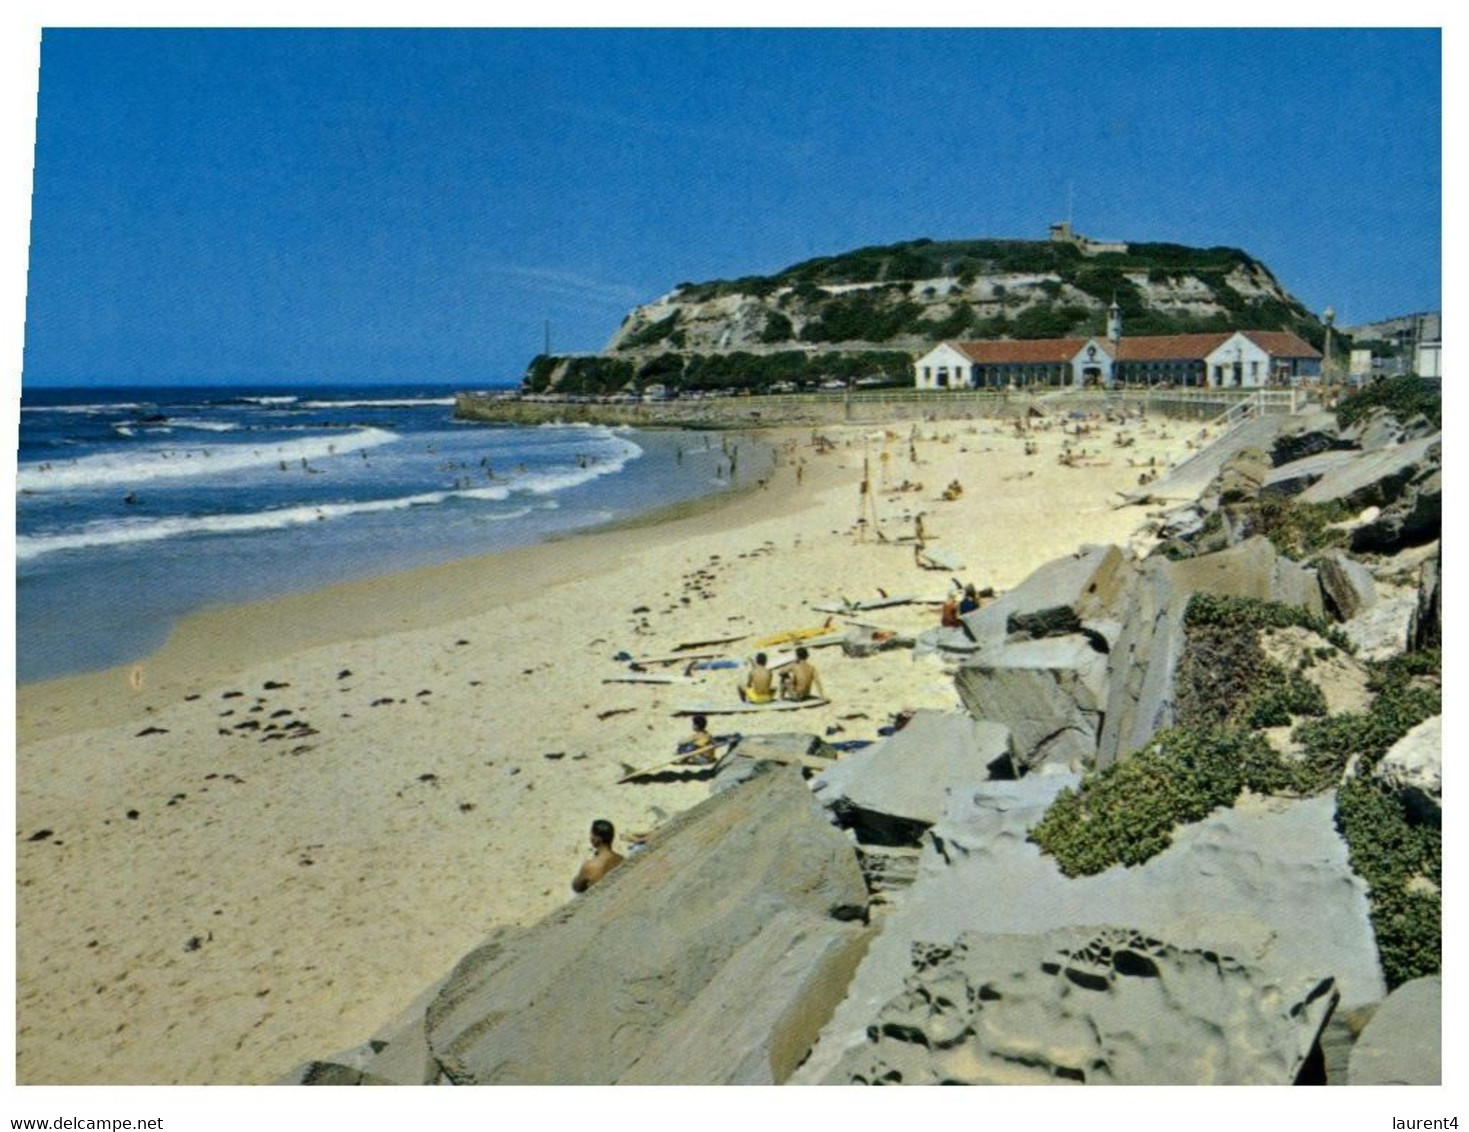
{"points": [[759, 685]]}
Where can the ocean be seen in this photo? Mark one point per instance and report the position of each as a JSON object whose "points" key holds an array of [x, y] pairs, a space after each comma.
{"points": [[138, 506]]}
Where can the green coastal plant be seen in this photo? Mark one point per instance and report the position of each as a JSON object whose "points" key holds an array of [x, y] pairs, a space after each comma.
{"points": [[1402, 862], [1404, 397], [1126, 814]]}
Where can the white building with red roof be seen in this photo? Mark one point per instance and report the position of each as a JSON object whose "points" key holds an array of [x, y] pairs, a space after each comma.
{"points": [[1240, 359]]}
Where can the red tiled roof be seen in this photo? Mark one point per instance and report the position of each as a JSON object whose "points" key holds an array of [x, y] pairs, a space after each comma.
{"points": [[1143, 348], [1170, 347], [1023, 351], [1282, 344]]}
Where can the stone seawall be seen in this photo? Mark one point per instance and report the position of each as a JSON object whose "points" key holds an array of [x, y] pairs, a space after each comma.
{"points": [[729, 412], [860, 408]]}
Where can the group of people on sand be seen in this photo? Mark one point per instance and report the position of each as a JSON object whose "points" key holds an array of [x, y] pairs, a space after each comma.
{"points": [[797, 681], [957, 604]]}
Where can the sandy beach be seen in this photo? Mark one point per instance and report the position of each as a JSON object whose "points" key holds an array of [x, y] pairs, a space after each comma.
{"points": [[261, 843]]}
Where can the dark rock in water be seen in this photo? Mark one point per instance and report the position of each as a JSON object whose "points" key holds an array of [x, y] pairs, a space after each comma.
{"points": [[273, 685], [41, 835], [1403, 1043], [1088, 1005], [741, 900]]}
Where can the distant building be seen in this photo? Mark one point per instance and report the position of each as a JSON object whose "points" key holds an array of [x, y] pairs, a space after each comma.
{"points": [[1061, 233], [1428, 359], [1241, 359]]}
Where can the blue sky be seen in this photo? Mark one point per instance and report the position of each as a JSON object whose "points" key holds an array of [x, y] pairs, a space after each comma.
{"points": [[336, 205]]}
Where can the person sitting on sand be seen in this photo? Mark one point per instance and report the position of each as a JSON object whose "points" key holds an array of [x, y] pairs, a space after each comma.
{"points": [[759, 685], [949, 614], [970, 601], [603, 859], [698, 748], [804, 680]]}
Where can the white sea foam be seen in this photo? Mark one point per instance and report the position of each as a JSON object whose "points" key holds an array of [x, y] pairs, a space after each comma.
{"points": [[403, 403], [123, 532], [269, 400], [114, 407], [205, 426], [120, 532], [139, 465]]}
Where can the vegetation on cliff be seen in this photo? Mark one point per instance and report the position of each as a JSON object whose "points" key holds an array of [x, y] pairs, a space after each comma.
{"points": [[872, 301], [599, 374]]}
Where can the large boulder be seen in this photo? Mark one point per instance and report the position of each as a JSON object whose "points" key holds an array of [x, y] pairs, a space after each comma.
{"points": [[1403, 1043], [1241, 477], [1312, 432], [1252, 569], [1088, 1005], [1413, 768], [1142, 662], [1414, 518], [1428, 619], [1385, 628], [1347, 584], [893, 791], [1267, 883], [1296, 476], [1376, 478], [756, 1019], [607, 981], [1055, 599], [1049, 693]]}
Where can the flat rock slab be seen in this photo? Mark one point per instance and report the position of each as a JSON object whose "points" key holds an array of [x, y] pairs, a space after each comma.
{"points": [[1055, 598], [755, 1020], [1296, 476], [1376, 477], [894, 790], [1049, 693], [1266, 883], [1088, 1005], [1403, 1043], [602, 984]]}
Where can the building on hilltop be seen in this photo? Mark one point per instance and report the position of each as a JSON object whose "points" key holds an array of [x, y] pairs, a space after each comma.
{"points": [[1241, 359], [1062, 233]]}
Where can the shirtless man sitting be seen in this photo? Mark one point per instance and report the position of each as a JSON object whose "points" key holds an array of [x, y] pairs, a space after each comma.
{"points": [[804, 679], [602, 861], [759, 685]]}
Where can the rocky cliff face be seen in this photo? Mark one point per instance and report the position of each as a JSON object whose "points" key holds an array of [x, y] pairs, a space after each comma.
{"points": [[914, 314], [870, 311]]}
